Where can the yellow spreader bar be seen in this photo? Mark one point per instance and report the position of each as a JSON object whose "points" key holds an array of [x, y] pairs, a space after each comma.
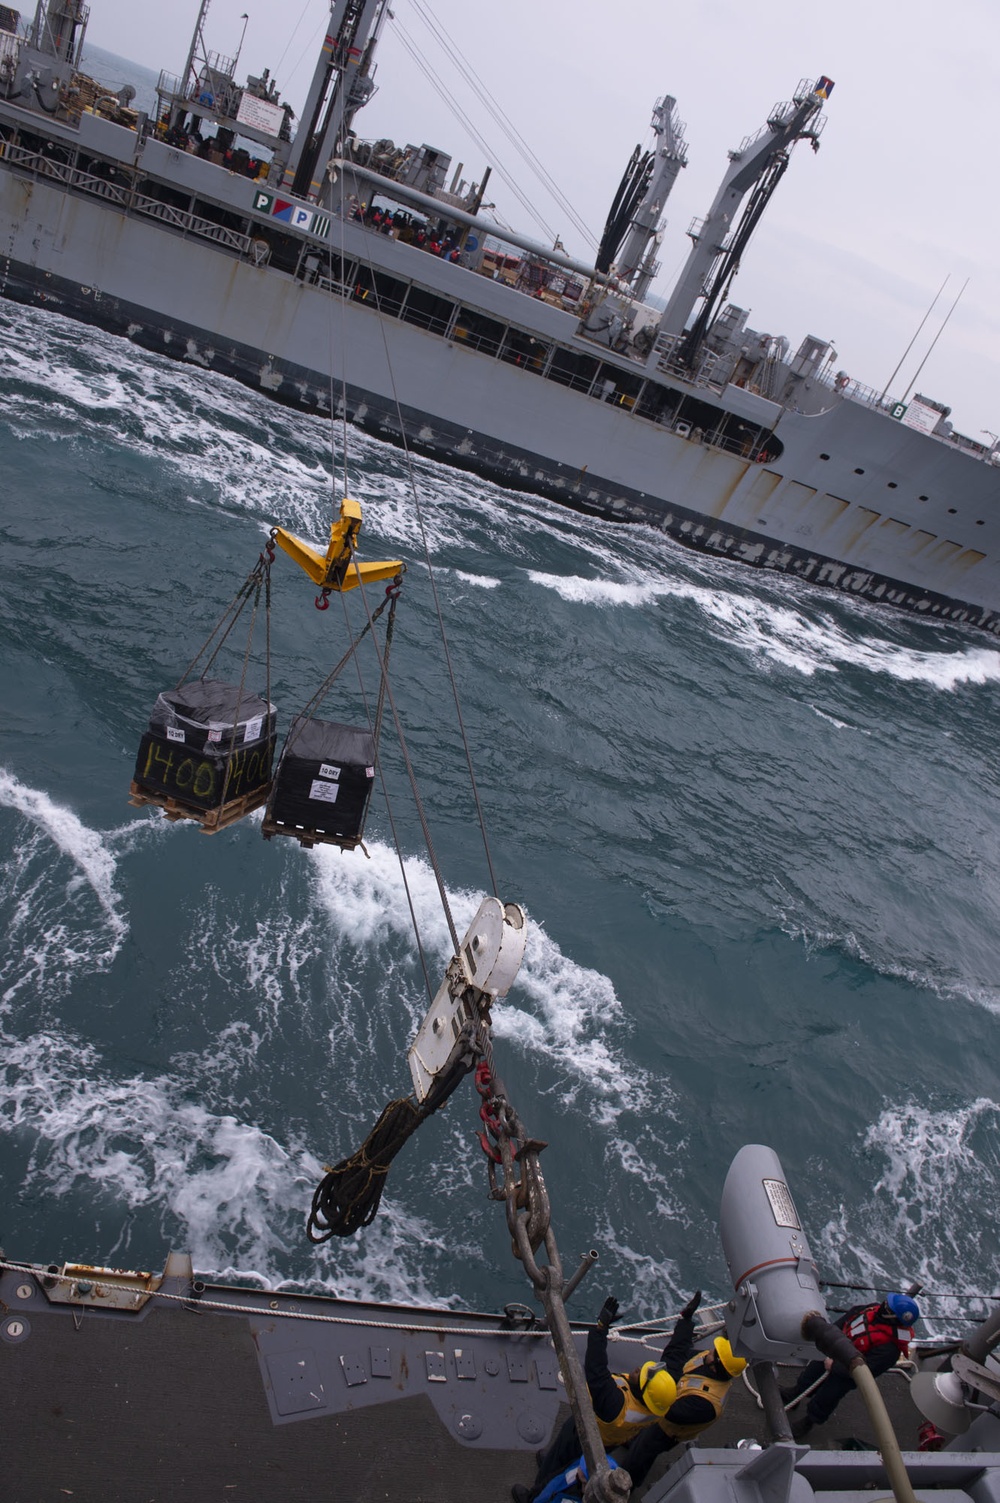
{"points": [[336, 569]]}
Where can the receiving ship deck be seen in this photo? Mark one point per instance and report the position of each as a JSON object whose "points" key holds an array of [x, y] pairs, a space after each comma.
{"points": [[276, 1397]]}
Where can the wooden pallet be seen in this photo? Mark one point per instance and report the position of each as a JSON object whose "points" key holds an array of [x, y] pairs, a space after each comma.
{"points": [[309, 838], [211, 820]]}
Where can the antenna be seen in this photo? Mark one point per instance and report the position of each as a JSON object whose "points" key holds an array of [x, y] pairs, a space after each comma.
{"points": [[244, 18], [934, 341], [916, 336]]}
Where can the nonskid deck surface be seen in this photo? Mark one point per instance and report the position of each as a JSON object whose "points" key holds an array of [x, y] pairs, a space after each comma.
{"points": [[182, 1400]]}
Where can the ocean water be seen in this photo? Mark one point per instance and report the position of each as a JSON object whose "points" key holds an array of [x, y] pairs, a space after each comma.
{"points": [[754, 827]]}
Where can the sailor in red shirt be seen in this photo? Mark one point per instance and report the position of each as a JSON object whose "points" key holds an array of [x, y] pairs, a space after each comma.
{"points": [[882, 1334]]}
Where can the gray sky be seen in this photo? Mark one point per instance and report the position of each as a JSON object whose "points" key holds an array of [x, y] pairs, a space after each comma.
{"points": [[856, 241]]}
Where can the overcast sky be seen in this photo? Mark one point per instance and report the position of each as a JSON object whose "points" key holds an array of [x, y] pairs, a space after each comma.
{"points": [[857, 240]]}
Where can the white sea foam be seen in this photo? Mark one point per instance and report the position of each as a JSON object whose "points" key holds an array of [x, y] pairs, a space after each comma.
{"points": [[653, 1282], [934, 1170], [573, 1018], [226, 1190], [86, 849], [481, 581], [950, 985], [229, 1185], [929, 1153], [841, 725], [781, 634], [603, 592], [64, 917]]}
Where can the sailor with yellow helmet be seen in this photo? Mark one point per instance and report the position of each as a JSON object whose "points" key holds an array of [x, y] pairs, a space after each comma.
{"points": [[625, 1404], [702, 1390]]}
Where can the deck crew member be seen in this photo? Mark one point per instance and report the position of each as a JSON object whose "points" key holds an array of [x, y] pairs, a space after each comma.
{"points": [[702, 1390], [624, 1403], [882, 1334]]}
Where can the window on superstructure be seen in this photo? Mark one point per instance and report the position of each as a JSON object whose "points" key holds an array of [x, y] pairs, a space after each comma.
{"points": [[618, 387], [573, 370], [523, 349], [477, 332], [387, 294], [427, 310]]}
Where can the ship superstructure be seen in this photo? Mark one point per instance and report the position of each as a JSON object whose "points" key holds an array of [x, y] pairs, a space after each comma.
{"points": [[339, 274]]}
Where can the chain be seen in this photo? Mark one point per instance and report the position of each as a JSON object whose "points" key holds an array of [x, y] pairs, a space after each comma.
{"points": [[516, 1178]]}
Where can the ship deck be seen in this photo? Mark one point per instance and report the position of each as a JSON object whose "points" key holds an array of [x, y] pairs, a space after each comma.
{"points": [[271, 1397]]}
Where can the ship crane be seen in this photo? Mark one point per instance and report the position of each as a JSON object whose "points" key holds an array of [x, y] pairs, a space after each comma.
{"points": [[634, 225], [756, 168], [341, 84]]}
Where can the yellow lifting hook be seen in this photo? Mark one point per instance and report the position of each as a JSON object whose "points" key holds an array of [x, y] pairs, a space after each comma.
{"points": [[337, 568]]}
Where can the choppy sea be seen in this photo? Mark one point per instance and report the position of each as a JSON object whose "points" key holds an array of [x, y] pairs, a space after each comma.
{"points": [[754, 827]]}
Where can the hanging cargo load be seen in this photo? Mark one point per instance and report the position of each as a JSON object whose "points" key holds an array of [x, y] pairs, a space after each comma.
{"points": [[207, 754], [322, 785]]}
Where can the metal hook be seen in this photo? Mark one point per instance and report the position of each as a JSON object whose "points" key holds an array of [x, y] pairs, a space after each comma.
{"points": [[322, 601]]}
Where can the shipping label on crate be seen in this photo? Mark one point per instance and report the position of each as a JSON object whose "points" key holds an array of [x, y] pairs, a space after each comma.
{"points": [[326, 771], [174, 733], [253, 729], [325, 792]]}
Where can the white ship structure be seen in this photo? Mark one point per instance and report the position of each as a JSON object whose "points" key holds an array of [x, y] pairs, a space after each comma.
{"points": [[341, 275]]}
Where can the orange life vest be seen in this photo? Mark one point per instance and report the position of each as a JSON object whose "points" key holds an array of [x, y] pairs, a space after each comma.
{"points": [[866, 1331]]}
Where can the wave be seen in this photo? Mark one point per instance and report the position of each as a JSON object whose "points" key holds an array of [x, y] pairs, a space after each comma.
{"points": [[930, 1170], [64, 917], [939, 977], [776, 633], [558, 1010]]}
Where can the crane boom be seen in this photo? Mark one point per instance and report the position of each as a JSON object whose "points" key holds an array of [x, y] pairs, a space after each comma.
{"points": [[758, 164]]}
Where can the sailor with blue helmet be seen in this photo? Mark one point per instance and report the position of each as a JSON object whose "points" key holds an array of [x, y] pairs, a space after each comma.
{"points": [[882, 1333]]}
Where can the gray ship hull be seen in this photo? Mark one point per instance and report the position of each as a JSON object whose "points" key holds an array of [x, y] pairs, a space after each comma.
{"points": [[845, 498]]}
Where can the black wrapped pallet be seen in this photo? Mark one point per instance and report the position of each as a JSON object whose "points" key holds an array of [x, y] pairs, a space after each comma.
{"points": [[323, 784], [207, 754]]}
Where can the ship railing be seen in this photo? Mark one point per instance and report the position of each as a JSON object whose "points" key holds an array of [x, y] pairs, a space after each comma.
{"points": [[115, 193], [120, 193], [855, 391], [167, 213], [168, 85], [331, 284], [72, 176], [182, 219]]}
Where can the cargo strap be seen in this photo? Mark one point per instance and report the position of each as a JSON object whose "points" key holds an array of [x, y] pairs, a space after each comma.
{"points": [[258, 581], [312, 706], [259, 575]]}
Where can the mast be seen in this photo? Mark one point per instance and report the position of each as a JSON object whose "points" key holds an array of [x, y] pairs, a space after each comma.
{"points": [[56, 32], [342, 83], [758, 164], [195, 51]]}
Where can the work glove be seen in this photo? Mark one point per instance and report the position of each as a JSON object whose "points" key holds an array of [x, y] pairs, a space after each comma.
{"points": [[609, 1313], [691, 1307]]}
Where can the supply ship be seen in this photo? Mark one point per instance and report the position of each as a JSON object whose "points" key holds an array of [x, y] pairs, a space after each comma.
{"points": [[362, 278]]}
